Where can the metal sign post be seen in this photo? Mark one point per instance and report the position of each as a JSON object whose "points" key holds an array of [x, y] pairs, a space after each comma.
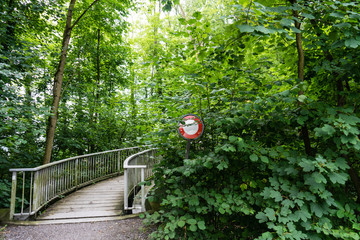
{"points": [[191, 127]]}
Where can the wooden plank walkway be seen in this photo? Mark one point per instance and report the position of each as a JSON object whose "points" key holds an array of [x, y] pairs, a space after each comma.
{"points": [[103, 199]]}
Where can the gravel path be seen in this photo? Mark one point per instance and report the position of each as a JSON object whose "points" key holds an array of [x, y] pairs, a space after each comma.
{"points": [[129, 229]]}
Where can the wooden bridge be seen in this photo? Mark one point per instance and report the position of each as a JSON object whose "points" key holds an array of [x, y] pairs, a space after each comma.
{"points": [[66, 189]]}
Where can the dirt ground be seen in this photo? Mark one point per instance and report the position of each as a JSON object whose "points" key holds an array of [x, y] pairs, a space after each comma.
{"points": [[129, 229]]}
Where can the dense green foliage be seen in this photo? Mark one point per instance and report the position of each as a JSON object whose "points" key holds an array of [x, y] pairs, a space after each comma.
{"points": [[279, 158], [93, 114], [250, 175]]}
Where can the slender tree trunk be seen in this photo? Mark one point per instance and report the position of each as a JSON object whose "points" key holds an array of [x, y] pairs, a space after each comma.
{"points": [[301, 64], [58, 80], [132, 95], [97, 76], [96, 94]]}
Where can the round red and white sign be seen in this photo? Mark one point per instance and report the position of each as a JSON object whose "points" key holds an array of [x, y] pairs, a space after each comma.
{"points": [[191, 127]]}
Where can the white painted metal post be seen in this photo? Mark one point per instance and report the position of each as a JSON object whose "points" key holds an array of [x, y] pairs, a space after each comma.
{"points": [[13, 196], [126, 204], [118, 162], [76, 172], [142, 190], [36, 191]]}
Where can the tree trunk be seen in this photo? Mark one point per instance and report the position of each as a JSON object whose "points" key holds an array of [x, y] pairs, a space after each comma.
{"points": [[132, 95], [58, 80], [97, 76], [301, 64]]}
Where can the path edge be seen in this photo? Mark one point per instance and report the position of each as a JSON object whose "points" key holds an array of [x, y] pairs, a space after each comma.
{"points": [[66, 221]]}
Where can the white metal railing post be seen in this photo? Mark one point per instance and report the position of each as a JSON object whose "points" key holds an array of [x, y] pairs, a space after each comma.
{"points": [[118, 161], [36, 194], [76, 172], [143, 162], [13, 195], [142, 190], [126, 204]]}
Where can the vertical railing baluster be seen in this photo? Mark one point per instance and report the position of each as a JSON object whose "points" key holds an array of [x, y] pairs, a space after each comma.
{"points": [[13, 195], [36, 191], [31, 191], [91, 168], [76, 172], [90, 165], [46, 171], [99, 166], [65, 175], [142, 190], [58, 184], [126, 204], [53, 180], [69, 175], [41, 187], [23, 193], [118, 162]]}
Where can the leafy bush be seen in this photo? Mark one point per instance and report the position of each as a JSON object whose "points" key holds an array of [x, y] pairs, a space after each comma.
{"points": [[254, 186]]}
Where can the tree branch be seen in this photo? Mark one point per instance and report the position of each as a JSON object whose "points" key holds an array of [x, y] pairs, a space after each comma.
{"points": [[78, 19]]}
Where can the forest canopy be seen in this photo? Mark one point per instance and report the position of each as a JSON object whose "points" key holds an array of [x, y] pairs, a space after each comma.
{"points": [[275, 82]]}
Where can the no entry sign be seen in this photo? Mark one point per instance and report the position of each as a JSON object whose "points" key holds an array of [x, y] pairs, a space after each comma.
{"points": [[191, 127]]}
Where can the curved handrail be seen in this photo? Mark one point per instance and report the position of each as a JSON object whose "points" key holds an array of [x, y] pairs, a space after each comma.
{"points": [[69, 159], [136, 173], [41, 185]]}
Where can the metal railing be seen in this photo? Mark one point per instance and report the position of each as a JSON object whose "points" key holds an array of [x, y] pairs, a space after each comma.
{"points": [[45, 183], [138, 168]]}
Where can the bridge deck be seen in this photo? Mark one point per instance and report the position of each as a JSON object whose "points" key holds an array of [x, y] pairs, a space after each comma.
{"points": [[103, 199]]}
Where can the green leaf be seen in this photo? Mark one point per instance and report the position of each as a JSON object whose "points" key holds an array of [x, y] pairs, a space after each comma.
{"points": [[318, 177], [193, 228], [264, 159], [270, 213], [317, 209], [221, 210], [245, 28], [326, 130], [307, 165], [201, 225], [262, 29], [286, 22], [342, 25], [191, 221], [337, 14], [338, 177], [342, 163], [261, 216], [340, 213], [197, 15], [254, 157], [181, 223], [182, 21], [301, 98], [307, 15], [352, 43], [191, 21], [243, 186], [276, 195]]}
